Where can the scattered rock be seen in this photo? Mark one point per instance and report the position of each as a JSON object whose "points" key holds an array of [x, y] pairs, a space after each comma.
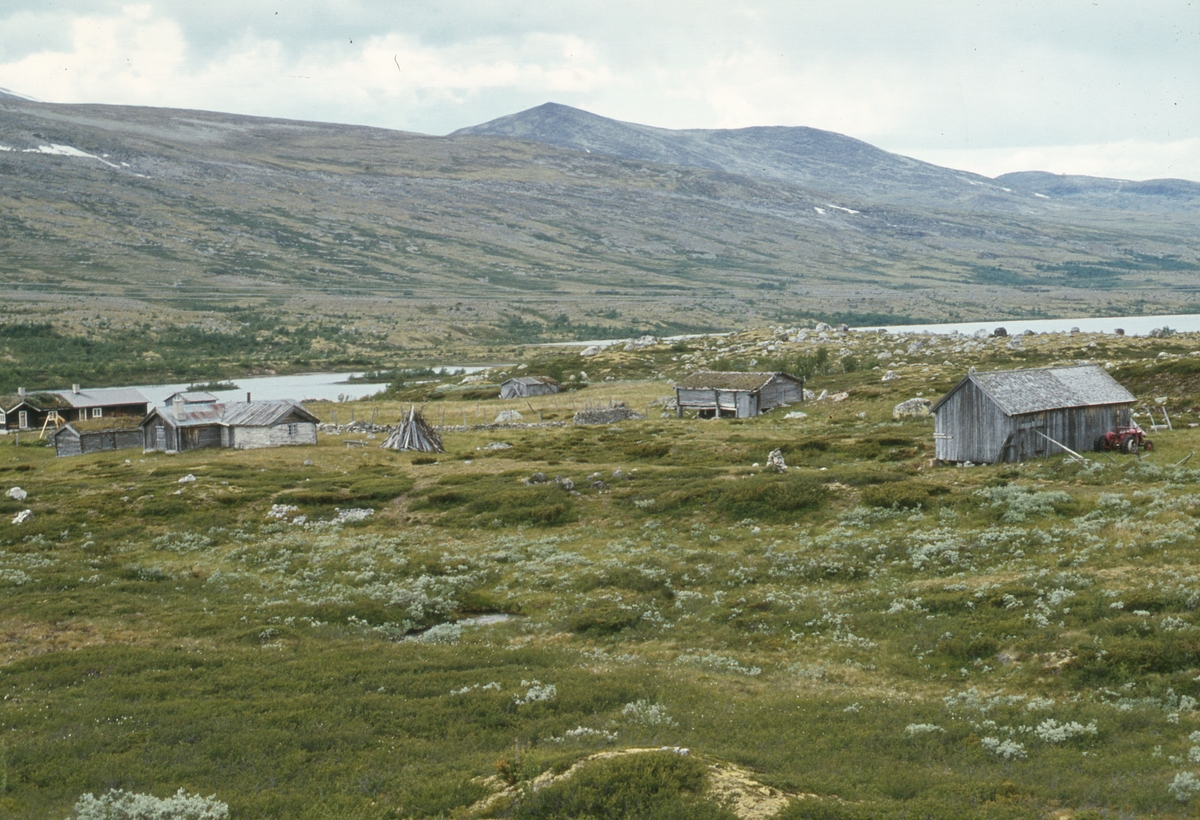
{"points": [[840, 396], [824, 395], [498, 445], [822, 328], [17, 494], [980, 334], [187, 479], [1119, 331], [809, 395], [536, 478], [620, 475], [913, 408], [638, 344], [891, 376], [599, 485], [775, 461], [23, 516], [1000, 332], [1014, 344], [507, 417], [618, 411], [566, 483], [796, 415], [592, 350]]}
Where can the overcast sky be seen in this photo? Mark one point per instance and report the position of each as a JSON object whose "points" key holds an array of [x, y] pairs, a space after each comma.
{"points": [[1069, 86]]}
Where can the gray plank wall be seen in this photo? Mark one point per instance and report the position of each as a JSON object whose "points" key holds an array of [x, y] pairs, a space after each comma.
{"points": [[971, 427], [249, 438], [780, 391]]}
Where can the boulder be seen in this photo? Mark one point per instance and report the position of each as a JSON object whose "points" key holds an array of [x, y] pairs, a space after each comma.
{"points": [[822, 328], [839, 396], [508, 417], [775, 461], [796, 415], [23, 516], [1000, 332], [591, 350], [913, 408], [891, 376], [17, 494], [980, 334]]}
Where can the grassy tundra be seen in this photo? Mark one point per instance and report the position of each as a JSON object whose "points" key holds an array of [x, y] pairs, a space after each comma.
{"points": [[302, 632]]}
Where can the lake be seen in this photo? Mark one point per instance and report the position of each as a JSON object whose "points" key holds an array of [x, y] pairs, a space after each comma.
{"points": [[301, 387], [1132, 325]]}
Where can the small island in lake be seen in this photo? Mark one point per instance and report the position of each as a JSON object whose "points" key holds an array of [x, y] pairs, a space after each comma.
{"points": [[214, 387]]}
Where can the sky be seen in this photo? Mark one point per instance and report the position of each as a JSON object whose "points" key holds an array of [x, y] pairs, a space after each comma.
{"points": [[1098, 87]]}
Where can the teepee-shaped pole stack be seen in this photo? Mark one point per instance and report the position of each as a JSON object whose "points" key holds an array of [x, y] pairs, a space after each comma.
{"points": [[414, 433]]}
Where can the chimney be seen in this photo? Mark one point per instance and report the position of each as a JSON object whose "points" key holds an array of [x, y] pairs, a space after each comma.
{"points": [[21, 392], [177, 408], [247, 397], [75, 389]]}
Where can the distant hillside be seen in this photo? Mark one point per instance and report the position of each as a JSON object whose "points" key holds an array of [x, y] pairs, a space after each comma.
{"points": [[828, 162], [163, 216]]}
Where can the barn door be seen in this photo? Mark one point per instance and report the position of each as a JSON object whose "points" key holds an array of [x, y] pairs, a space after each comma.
{"points": [[1031, 432]]}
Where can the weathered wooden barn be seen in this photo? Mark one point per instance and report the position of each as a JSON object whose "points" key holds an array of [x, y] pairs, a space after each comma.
{"points": [[77, 438], [521, 386], [191, 397], [1011, 415], [242, 425], [726, 394], [180, 427]]}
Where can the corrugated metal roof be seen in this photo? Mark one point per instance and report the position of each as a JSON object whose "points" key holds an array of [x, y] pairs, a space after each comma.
{"points": [[102, 397], [191, 397], [262, 413], [196, 415], [726, 380], [1047, 388], [531, 380], [236, 413]]}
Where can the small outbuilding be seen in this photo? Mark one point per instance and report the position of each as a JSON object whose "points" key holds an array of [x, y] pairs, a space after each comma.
{"points": [[77, 438], [181, 427], [1015, 415], [728, 394], [520, 387]]}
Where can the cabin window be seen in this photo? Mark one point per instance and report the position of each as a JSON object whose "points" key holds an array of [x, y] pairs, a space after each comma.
{"points": [[97, 412], [293, 429], [23, 419]]}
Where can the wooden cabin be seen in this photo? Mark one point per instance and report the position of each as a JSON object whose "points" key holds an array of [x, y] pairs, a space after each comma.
{"points": [[725, 394], [103, 402], [191, 397], [238, 425], [247, 425], [520, 387], [77, 438], [30, 411], [1012, 415]]}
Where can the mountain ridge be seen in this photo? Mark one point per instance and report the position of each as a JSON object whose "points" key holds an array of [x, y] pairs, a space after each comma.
{"points": [[826, 161]]}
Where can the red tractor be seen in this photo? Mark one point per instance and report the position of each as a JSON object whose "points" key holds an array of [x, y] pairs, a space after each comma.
{"points": [[1126, 439]]}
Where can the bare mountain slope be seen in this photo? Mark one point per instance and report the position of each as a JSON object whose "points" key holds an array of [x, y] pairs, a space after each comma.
{"points": [[829, 162], [189, 208]]}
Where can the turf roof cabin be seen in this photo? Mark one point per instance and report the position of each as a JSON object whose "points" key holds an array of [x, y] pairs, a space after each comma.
{"points": [[242, 425], [521, 386], [99, 403], [78, 438], [29, 411], [725, 394], [1010, 415]]}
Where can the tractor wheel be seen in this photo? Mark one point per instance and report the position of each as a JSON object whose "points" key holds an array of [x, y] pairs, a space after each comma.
{"points": [[1129, 446], [1101, 444], [1147, 445]]}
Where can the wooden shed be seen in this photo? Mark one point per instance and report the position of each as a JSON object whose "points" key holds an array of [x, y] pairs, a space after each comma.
{"points": [[79, 438], [726, 394], [521, 386], [1011, 415], [180, 427]]}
